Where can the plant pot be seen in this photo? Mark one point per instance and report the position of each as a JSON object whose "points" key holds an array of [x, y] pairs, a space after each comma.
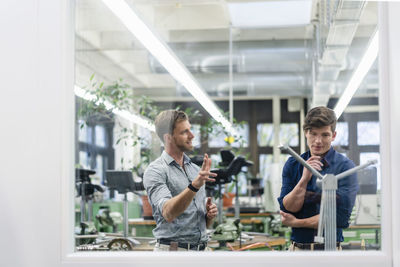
{"points": [[227, 199], [147, 210]]}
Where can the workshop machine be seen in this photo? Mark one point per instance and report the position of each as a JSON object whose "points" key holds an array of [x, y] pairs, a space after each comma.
{"points": [[121, 181], [107, 219], [85, 189], [233, 167], [227, 232]]}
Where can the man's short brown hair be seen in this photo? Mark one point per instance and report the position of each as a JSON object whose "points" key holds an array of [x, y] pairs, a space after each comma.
{"points": [[166, 121], [319, 117]]}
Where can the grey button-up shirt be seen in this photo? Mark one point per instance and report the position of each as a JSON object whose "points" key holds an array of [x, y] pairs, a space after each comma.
{"points": [[163, 179]]}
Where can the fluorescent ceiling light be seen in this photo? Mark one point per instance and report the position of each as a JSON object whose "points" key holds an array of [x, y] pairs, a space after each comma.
{"points": [[139, 120], [166, 57], [270, 13], [358, 75]]}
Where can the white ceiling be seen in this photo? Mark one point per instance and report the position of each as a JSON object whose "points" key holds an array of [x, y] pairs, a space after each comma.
{"points": [[266, 60]]}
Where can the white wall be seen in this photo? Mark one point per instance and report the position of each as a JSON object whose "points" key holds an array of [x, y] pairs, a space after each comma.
{"points": [[36, 148], [31, 134]]}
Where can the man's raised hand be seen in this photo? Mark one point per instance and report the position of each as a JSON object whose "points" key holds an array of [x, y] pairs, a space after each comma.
{"points": [[315, 162], [204, 173]]}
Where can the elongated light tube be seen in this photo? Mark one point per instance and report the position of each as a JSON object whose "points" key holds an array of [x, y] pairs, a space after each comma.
{"points": [[359, 74], [166, 57], [122, 113]]}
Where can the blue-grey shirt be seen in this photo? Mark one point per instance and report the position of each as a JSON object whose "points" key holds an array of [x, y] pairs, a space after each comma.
{"points": [[163, 179], [334, 163]]}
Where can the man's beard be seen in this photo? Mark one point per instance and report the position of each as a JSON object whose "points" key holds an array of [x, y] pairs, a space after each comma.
{"points": [[183, 147]]}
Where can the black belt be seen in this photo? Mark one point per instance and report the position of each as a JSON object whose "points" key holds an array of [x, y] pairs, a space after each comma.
{"points": [[312, 246], [188, 246]]}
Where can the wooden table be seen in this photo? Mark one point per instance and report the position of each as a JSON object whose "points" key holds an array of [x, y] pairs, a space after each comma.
{"points": [[247, 215], [365, 226], [363, 232], [258, 242], [141, 222], [258, 225]]}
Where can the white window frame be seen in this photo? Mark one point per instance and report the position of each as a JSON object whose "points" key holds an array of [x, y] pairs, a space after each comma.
{"points": [[390, 131]]}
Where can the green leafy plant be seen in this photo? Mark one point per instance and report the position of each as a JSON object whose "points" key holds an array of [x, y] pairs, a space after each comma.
{"points": [[120, 96]]}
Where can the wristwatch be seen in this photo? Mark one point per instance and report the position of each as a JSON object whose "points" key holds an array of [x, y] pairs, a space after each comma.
{"points": [[191, 187]]}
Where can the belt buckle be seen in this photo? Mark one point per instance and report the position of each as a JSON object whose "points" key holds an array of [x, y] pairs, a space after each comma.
{"points": [[197, 247], [194, 247]]}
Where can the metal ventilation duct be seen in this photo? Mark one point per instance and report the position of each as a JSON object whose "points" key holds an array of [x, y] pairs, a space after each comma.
{"points": [[340, 36], [285, 84], [260, 67]]}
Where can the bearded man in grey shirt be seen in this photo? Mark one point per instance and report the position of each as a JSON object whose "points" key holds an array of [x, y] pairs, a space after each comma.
{"points": [[175, 186]]}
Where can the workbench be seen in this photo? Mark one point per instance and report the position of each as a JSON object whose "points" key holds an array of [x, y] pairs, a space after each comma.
{"points": [[259, 242], [255, 222], [141, 227], [249, 215], [366, 234]]}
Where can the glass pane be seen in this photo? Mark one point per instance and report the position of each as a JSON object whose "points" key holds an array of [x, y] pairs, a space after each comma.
{"points": [[266, 161], [217, 137], [289, 134], [99, 166], [367, 207], [85, 133], [265, 134], [145, 137], [365, 157], [100, 133], [242, 140], [368, 133], [197, 136], [283, 158], [265, 164], [215, 160], [271, 174], [111, 61], [84, 160], [342, 134]]}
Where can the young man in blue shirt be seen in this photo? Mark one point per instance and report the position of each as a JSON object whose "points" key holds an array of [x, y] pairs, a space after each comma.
{"points": [[300, 197]]}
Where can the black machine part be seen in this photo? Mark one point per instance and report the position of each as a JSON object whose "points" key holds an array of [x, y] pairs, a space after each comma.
{"points": [[88, 189], [123, 182], [84, 186], [227, 157], [82, 175], [225, 175]]}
